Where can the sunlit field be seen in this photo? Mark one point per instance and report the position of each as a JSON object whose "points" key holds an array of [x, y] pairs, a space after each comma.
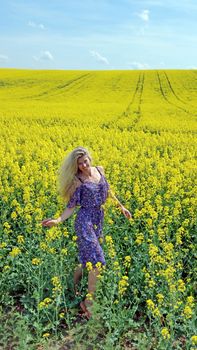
{"points": [[141, 127]]}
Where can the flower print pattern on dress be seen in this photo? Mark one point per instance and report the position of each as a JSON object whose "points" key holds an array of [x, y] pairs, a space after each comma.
{"points": [[89, 220]]}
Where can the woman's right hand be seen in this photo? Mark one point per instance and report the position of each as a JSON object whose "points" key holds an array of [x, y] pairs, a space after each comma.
{"points": [[49, 222]]}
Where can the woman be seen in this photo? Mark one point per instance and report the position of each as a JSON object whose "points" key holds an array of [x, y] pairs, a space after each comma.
{"points": [[83, 185]]}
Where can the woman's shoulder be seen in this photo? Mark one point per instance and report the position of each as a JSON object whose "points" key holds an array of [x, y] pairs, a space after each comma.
{"points": [[76, 182], [101, 169], [75, 187]]}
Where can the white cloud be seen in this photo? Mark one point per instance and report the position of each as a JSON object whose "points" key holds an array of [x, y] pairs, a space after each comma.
{"points": [[44, 56], [3, 58], [139, 65], [35, 25], [144, 15], [99, 58]]}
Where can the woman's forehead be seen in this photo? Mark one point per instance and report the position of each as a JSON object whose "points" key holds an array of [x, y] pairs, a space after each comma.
{"points": [[82, 158]]}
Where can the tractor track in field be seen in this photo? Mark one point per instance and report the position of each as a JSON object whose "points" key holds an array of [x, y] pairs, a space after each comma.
{"points": [[136, 99], [58, 89], [170, 89], [138, 91], [174, 93]]}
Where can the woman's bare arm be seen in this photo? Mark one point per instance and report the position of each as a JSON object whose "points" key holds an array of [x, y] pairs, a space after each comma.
{"points": [[65, 215], [112, 195], [125, 211]]}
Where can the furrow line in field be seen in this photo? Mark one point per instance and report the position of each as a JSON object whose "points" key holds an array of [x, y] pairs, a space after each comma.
{"points": [[54, 91], [138, 89], [174, 93], [126, 114], [134, 107], [171, 88], [162, 89], [113, 123]]}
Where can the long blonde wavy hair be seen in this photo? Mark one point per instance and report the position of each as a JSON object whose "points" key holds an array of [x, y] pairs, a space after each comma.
{"points": [[67, 180]]}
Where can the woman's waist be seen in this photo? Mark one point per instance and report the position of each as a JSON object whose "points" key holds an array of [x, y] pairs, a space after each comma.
{"points": [[92, 207]]}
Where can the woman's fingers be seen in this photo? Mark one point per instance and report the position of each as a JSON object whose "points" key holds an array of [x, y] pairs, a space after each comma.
{"points": [[50, 222], [46, 222], [127, 214]]}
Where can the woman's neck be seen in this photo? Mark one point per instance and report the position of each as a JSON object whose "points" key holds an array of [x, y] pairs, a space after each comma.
{"points": [[86, 173]]}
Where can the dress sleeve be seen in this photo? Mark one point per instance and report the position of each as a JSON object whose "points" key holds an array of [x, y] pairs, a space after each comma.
{"points": [[75, 199]]}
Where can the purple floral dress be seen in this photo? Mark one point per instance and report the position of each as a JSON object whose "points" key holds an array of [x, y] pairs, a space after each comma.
{"points": [[89, 220]]}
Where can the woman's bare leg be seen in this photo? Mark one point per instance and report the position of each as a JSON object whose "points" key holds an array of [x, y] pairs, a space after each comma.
{"points": [[77, 277], [92, 279]]}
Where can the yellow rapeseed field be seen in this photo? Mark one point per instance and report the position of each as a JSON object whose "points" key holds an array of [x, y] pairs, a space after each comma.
{"points": [[141, 126]]}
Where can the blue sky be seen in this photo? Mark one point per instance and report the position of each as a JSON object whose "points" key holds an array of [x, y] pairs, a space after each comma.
{"points": [[98, 34]]}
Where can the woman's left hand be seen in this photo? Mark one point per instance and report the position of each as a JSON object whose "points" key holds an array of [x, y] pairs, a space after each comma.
{"points": [[126, 213]]}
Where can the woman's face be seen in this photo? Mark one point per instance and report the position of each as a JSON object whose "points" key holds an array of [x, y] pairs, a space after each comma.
{"points": [[83, 163]]}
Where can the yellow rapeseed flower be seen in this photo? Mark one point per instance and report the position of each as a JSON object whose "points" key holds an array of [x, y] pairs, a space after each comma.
{"points": [[150, 304], [51, 250], [45, 303], [36, 261], [153, 251], [140, 238], [65, 233], [190, 300], [151, 283], [109, 239], [160, 298], [89, 296], [187, 312], [99, 266], [20, 239], [46, 335], [181, 286], [165, 333], [122, 285], [116, 266], [64, 251], [101, 240], [3, 245], [194, 339], [127, 261], [56, 283], [89, 266], [156, 312], [43, 245], [14, 215], [14, 252]]}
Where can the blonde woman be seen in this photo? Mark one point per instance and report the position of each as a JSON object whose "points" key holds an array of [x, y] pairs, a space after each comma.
{"points": [[83, 185]]}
